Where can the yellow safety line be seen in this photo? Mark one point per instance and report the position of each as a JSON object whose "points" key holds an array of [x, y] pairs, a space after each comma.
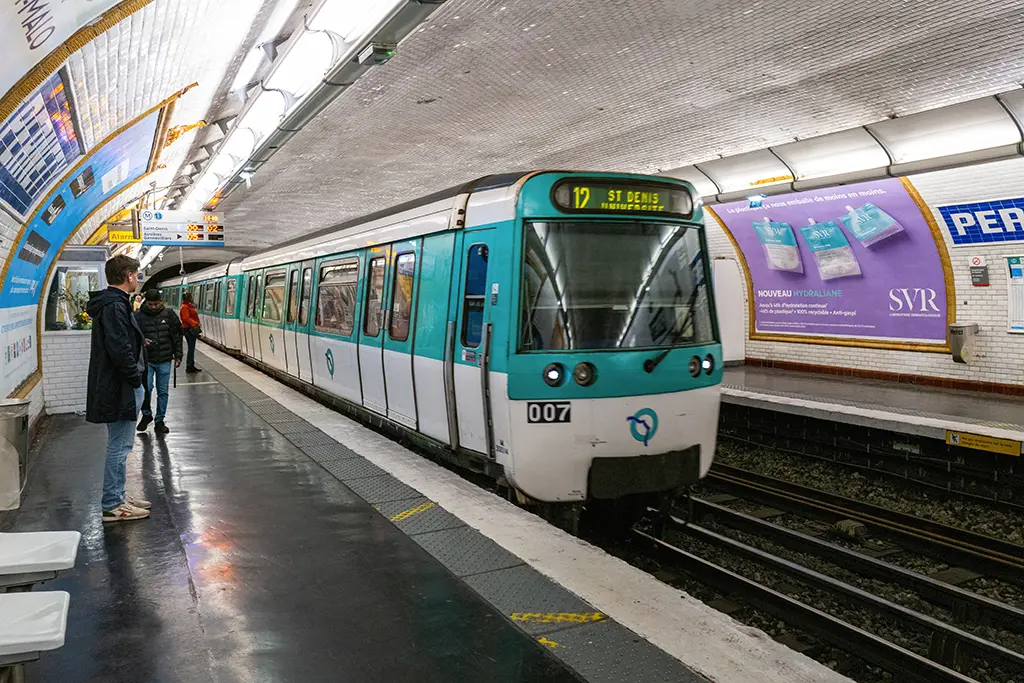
{"points": [[406, 514], [550, 643], [559, 617]]}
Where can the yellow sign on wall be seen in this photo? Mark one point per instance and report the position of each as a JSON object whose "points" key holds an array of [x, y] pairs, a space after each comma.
{"points": [[983, 443], [123, 237]]}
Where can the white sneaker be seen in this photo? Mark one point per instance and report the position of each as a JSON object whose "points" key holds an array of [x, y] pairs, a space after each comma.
{"points": [[140, 503], [124, 512]]}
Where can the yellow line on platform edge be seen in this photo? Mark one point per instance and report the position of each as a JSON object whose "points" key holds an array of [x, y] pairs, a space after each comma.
{"points": [[550, 643], [558, 617], [406, 514]]}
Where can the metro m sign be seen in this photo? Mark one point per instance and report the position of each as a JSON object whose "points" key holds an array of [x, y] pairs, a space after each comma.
{"points": [[991, 222]]}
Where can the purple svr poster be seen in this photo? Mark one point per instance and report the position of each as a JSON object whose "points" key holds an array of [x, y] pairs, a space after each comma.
{"points": [[855, 261]]}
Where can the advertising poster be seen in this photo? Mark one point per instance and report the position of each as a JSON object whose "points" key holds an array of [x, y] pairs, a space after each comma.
{"points": [[17, 347], [32, 29], [855, 262], [37, 144]]}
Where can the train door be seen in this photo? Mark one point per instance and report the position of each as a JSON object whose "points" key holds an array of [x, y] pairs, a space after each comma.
{"points": [[371, 352], [303, 336], [273, 344], [470, 361], [399, 334], [290, 334]]}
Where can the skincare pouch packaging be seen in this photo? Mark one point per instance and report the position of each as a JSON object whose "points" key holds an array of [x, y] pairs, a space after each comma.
{"points": [[779, 244], [832, 253], [869, 224]]}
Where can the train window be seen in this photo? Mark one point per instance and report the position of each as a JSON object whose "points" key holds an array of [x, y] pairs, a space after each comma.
{"points": [[293, 296], [250, 297], [211, 297], [473, 301], [401, 297], [607, 285], [256, 297], [307, 291], [216, 297], [229, 303], [273, 297], [336, 297], [374, 296]]}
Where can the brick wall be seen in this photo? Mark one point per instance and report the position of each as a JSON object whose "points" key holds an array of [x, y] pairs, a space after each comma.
{"points": [[999, 356], [65, 370]]}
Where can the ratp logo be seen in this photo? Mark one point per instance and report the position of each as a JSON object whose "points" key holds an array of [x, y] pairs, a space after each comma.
{"points": [[329, 356], [643, 425], [272, 344]]}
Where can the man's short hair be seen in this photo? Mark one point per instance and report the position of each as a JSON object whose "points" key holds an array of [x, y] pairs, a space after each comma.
{"points": [[152, 295], [119, 268]]}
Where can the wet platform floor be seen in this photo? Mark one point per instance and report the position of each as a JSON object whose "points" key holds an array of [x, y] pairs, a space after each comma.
{"points": [[257, 565]]}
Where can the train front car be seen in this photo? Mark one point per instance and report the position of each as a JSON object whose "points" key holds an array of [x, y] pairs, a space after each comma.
{"points": [[613, 375]]}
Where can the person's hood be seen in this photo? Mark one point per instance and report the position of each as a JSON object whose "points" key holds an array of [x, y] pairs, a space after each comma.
{"points": [[105, 297], [144, 308]]}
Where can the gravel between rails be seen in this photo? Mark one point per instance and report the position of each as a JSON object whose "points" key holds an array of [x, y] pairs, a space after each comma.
{"points": [[880, 490]]}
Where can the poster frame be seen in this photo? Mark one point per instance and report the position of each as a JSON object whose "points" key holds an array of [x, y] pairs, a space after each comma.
{"points": [[825, 340]]}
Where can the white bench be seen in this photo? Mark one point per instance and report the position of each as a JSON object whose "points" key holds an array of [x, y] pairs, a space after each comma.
{"points": [[30, 623], [33, 557]]}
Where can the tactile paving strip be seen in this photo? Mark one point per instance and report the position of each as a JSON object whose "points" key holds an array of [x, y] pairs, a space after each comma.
{"points": [[536, 603], [466, 551], [597, 648], [606, 652], [419, 516], [382, 489]]}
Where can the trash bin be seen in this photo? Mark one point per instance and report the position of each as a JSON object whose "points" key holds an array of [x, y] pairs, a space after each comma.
{"points": [[961, 341], [13, 450]]}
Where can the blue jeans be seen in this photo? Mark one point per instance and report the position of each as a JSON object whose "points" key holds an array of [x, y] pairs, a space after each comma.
{"points": [[163, 378], [120, 437]]}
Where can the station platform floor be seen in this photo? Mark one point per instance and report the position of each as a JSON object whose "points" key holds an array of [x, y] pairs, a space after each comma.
{"points": [[289, 543], [922, 410]]}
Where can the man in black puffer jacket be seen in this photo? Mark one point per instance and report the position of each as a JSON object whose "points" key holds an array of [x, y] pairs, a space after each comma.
{"points": [[162, 329], [117, 364]]}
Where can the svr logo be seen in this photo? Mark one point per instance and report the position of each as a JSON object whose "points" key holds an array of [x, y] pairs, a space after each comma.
{"points": [[912, 299]]}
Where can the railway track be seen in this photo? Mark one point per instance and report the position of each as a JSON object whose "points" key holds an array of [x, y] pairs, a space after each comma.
{"points": [[929, 649], [984, 554]]}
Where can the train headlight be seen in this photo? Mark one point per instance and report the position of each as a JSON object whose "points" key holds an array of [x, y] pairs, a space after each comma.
{"points": [[585, 374], [709, 364], [695, 366], [554, 374]]}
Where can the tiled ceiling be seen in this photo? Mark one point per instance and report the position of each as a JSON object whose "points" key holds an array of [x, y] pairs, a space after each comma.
{"points": [[494, 85]]}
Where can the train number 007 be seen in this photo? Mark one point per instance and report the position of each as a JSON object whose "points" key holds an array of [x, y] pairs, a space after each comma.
{"points": [[548, 412]]}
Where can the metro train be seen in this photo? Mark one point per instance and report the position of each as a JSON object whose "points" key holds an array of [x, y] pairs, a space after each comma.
{"points": [[555, 331]]}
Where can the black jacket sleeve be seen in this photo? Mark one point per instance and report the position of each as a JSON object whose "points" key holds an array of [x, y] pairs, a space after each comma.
{"points": [[176, 334], [117, 335]]}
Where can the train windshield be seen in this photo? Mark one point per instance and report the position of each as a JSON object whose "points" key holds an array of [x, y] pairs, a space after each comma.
{"points": [[597, 285]]}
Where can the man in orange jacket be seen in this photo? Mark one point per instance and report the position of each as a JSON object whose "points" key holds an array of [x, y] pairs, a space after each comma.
{"points": [[190, 326]]}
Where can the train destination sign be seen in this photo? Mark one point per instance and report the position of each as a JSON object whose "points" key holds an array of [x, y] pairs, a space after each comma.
{"points": [[604, 196]]}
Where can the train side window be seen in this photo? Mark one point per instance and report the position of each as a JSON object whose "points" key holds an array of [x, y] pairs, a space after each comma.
{"points": [[401, 297], [229, 303], [211, 293], [475, 297], [374, 294], [307, 291], [250, 297], [256, 301], [336, 297], [293, 296], [273, 297], [216, 297]]}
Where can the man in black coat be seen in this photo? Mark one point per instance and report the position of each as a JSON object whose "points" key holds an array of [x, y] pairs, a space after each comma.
{"points": [[117, 363], [162, 331]]}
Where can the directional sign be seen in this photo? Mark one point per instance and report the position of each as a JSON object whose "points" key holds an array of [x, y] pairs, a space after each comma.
{"points": [[181, 228]]}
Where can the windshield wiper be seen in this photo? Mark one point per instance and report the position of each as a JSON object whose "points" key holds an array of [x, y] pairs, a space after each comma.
{"points": [[652, 363]]}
